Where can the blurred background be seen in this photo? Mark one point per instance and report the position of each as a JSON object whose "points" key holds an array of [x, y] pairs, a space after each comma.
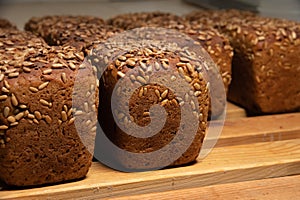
{"points": [[19, 11]]}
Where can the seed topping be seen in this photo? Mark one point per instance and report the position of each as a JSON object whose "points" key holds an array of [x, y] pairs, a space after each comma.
{"points": [[19, 116], [141, 79], [44, 102], [164, 94], [14, 100], [47, 71], [64, 77], [33, 89], [121, 74], [43, 85], [48, 119], [3, 127], [64, 116], [3, 97], [6, 111]]}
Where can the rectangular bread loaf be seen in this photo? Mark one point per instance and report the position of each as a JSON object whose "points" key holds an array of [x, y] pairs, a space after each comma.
{"points": [[148, 76], [266, 66], [39, 142], [266, 70]]}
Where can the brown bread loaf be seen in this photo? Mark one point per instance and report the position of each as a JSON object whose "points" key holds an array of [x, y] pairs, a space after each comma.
{"points": [[4, 23], [39, 143], [266, 61], [137, 66], [266, 65]]}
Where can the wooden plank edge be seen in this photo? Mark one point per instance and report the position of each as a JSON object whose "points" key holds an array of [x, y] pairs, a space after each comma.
{"points": [[258, 129], [267, 166], [166, 184], [267, 189]]}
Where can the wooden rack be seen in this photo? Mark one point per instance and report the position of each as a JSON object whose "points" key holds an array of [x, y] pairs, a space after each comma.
{"points": [[253, 156]]}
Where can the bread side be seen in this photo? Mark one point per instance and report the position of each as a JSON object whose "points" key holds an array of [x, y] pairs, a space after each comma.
{"points": [[219, 49], [138, 66], [39, 141]]}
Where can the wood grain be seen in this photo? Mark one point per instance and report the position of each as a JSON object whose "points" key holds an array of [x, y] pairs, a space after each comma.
{"points": [[260, 129], [233, 111], [267, 189], [250, 130], [249, 149], [224, 165]]}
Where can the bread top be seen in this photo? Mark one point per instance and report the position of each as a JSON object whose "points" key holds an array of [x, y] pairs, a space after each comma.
{"points": [[29, 68], [214, 17], [82, 32], [212, 40], [258, 32], [249, 26], [143, 19], [5, 24], [21, 50]]}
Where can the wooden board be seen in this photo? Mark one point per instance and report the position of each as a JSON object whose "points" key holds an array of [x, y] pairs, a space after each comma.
{"points": [[266, 189], [260, 129], [233, 111], [232, 162]]}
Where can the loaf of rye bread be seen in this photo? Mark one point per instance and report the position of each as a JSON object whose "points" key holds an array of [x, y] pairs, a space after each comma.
{"points": [[82, 32], [141, 66], [5, 24], [39, 142], [266, 68], [216, 44]]}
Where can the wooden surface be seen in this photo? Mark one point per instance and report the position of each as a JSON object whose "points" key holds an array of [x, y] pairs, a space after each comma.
{"points": [[260, 129], [234, 111], [265, 156], [266, 189]]}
